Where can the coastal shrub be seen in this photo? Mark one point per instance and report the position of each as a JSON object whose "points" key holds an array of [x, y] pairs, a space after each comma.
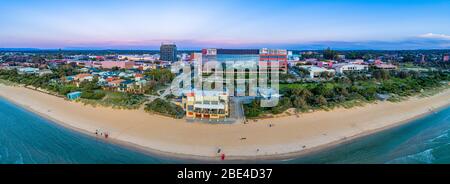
{"points": [[66, 70], [65, 89], [299, 103], [94, 95], [321, 100], [283, 105], [90, 85], [354, 89], [123, 100], [165, 107], [253, 109]]}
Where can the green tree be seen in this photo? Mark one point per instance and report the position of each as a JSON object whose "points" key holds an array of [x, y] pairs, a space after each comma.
{"points": [[321, 101], [162, 76], [253, 109], [330, 54], [299, 102]]}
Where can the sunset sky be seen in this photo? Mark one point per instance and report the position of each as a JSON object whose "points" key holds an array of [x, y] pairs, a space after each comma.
{"points": [[193, 24]]}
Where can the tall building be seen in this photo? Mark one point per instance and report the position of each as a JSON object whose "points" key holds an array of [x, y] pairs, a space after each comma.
{"points": [[246, 65], [267, 58], [446, 58], [230, 55], [168, 52], [422, 59], [263, 58]]}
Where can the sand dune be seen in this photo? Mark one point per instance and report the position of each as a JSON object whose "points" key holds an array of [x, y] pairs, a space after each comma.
{"points": [[287, 137]]}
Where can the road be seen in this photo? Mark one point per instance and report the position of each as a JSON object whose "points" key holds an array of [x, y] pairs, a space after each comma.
{"points": [[236, 108]]}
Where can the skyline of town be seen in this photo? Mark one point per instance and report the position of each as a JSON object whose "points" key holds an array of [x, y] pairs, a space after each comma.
{"points": [[295, 25]]}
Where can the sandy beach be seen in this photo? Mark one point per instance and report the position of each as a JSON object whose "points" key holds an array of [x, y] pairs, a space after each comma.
{"points": [[289, 136]]}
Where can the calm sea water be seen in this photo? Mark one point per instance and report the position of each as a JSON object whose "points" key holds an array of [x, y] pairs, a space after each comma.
{"points": [[422, 141], [26, 138]]}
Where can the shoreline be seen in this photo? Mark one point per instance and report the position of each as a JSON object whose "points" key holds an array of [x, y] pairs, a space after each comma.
{"points": [[135, 135]]}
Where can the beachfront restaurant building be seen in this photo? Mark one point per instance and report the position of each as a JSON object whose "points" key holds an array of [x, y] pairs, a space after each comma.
{"points": [[200, 104]]}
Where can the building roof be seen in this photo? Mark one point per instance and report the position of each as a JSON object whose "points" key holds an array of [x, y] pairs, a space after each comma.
{"points": [[316, 69], [209, 93], [385, 66], [74, 93], [233, 51], [339, 65], [127, 82], [117, 81], [83, 75], [209, 106]]}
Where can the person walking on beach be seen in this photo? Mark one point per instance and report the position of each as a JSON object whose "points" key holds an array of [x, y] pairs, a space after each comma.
{"points": [[219, 150]]}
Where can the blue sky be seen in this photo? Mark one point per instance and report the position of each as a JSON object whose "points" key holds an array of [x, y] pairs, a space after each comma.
{"points": [[293, 24]]}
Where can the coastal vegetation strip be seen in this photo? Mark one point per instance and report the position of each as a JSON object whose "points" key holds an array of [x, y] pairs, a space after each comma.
{"points": [[165, 107], [351, 90], [91, 92]]}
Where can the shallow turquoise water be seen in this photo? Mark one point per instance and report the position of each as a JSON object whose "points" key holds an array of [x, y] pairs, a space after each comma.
{"points": [[26, 138], [423, 141]]}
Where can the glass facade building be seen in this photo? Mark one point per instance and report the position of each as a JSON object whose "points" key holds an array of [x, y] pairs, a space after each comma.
{"points": [[261, 58], [246, 67], [168, 52]]}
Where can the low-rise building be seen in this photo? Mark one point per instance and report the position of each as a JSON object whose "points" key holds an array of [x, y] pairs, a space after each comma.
{"points": [[356, 61], [83, 76], [325, 64], [129, 86], [347, 67], [69, 78], [74, 95], [44, 72], [206, 104], [79, 78], [27, 70], [115, 83], [315, 71], [116, 64], [386, 66], [126, 86], [145, 57]]}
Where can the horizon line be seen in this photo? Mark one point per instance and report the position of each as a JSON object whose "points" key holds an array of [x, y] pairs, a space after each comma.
{"points": [[21, 49]]}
